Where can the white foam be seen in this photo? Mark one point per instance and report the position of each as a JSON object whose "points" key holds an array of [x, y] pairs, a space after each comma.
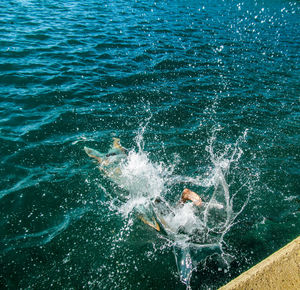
{"points": [[183, 217], [145, 180], [141, 177]]}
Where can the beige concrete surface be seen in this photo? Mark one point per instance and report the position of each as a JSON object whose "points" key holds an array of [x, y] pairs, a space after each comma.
{"points": [[281, 271]]}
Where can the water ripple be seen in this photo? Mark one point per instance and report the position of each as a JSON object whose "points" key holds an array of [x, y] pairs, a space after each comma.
{"points": [[77, 73], [43, 237]]}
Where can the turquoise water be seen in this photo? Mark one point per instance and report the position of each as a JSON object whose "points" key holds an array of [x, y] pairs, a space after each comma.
{"points": [[204, 94]]}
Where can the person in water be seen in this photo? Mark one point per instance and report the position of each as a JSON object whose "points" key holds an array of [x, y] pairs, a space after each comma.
{"points": [[109, 165]]}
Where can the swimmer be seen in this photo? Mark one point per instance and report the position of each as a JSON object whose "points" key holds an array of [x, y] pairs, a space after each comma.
{"points": [[109, 164], [156, 212]]}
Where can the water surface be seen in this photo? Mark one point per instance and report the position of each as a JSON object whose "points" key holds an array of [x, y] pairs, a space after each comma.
{"points": [[189, 85]]}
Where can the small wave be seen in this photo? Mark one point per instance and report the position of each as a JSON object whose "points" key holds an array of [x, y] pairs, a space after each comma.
{"points": [[26, 182], [169, 64], [38, 36], [43, 237]]}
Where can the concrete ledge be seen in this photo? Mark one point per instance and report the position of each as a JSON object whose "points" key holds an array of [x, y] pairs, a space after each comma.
{"points": [[281, 270]]}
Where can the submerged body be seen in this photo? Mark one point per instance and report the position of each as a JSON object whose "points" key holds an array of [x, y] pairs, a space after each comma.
{"points": [[172, 221], [109, 164]]}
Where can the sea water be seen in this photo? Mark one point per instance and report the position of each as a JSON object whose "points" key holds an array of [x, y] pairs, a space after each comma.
{"points": [[202, 94]]}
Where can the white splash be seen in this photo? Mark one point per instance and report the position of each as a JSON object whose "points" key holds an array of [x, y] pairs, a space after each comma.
{"points": [[195, 232], [141, 177]]}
